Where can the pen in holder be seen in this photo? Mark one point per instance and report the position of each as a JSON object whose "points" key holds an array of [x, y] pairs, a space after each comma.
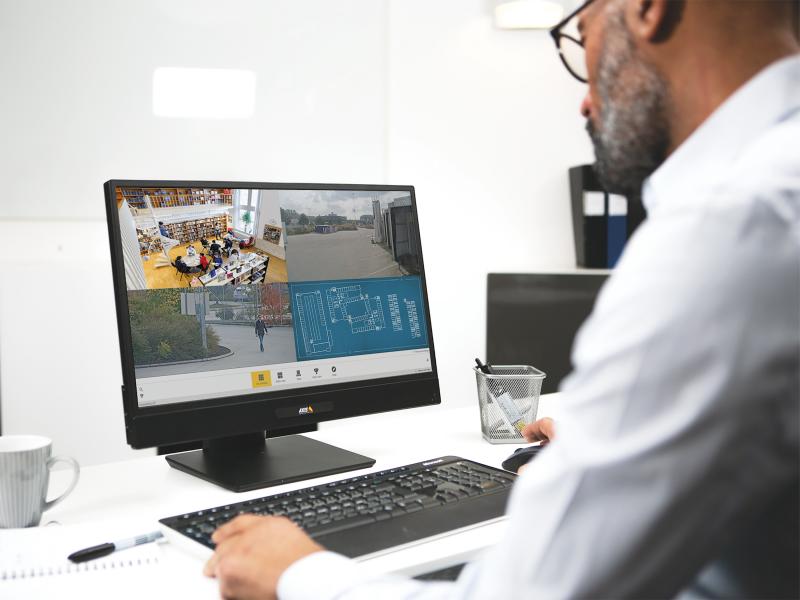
{"points": [[508, 397]]}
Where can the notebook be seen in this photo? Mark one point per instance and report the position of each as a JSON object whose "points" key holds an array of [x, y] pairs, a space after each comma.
{"points": [[33, 564]]}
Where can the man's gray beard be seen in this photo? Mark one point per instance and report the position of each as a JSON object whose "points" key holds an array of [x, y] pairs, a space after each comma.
{"points": [[633, 135]]}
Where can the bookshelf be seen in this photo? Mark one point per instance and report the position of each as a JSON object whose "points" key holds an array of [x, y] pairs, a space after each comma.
{"points": [[149, 241], [190, 231], [175, 197]]}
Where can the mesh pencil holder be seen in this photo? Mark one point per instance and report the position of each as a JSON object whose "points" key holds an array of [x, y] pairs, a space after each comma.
{"points": [[508, 398]]}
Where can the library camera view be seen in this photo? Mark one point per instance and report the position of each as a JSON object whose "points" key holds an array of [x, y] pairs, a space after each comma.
{"points": [[199, 238]]}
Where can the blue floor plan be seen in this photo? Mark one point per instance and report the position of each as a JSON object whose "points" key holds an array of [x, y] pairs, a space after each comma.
{"points": [[359, 316]]}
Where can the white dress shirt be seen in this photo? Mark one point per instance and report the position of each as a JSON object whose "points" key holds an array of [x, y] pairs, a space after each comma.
{"points": [[678, 452]]}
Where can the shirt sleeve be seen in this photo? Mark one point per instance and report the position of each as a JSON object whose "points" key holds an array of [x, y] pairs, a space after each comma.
{"points": [[331, 576]]}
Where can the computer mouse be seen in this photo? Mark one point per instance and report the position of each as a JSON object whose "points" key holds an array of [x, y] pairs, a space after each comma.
{"points": [[520, 457]]}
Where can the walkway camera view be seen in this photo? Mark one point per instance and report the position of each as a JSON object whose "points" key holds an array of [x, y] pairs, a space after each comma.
{"points": [[334, 234], [176, 331]]}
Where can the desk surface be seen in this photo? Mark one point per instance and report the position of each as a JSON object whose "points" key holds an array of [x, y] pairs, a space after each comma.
{"points": [[131, 496]]}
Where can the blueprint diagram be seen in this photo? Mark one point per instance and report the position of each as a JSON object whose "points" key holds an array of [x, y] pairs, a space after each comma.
{"points": [[362, 312], [413, 318], [311, 316], [358, 316], [394, 311]]}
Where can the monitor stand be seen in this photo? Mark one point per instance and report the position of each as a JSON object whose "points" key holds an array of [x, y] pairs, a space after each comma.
{"points": [[249, 462]]}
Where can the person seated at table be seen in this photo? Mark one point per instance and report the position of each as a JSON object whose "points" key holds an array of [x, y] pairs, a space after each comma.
{"points": [[215, 247], [235, 256], [218, 259], [183, 267], [228, 245], [204, 242], [190, 251], [203, 262]]}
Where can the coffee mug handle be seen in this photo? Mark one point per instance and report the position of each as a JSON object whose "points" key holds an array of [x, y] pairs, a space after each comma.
{"points": [[76, 471]]}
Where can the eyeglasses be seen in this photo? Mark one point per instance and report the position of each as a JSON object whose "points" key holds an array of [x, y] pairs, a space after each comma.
{"points": [[570, 45]]}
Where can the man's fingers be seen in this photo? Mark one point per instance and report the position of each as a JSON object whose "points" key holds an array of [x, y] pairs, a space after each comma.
{"points": [[542, 430], [210, 568], [223, 549], [230, 577], [233, 527]]}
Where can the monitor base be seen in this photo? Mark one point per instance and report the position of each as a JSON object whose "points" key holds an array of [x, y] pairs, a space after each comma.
{"points": [[250, 462]]}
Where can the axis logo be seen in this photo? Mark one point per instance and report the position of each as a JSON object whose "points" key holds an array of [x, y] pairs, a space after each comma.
{"points": [[305, 410]]}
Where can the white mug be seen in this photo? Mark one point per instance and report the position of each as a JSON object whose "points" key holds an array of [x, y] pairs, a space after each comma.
{"points": [[25, 463]]}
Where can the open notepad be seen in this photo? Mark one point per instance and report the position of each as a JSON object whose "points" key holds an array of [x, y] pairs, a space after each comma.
{"points": [[33, 564]]}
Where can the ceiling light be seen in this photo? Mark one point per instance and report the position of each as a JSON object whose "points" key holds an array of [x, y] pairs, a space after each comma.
{"points": [[204, 93]]}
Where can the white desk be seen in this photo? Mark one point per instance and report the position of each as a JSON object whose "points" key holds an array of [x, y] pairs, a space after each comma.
{"points": [[191, 261], [133, 495], [233, 274]]}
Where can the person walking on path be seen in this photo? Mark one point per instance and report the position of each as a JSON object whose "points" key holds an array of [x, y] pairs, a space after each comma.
{"points": [[261, 330]]}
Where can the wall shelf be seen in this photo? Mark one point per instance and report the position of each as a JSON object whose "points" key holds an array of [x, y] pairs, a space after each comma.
{"points": [[175, 197]]}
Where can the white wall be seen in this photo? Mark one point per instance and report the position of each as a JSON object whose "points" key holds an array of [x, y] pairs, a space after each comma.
{"points": [[77, 95], [483, 122], [269, 213], [61, 372]]}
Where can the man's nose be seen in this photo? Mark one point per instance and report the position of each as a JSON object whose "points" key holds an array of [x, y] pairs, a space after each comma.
{"points": [[586, 105]]}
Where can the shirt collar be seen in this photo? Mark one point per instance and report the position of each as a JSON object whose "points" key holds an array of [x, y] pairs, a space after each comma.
{"points": [[702, 160]]}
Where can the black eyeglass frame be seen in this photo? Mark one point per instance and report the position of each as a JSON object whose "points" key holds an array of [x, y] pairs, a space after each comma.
{"points": [[555, 33]]}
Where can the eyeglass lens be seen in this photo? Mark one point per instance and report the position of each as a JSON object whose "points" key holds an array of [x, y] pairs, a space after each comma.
{"points": [[571, 49]]}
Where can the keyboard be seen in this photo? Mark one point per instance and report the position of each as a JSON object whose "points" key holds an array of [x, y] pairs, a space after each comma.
{"points": [[376, 512]]}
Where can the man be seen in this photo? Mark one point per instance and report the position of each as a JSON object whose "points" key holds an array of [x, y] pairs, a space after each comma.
{"points": [[675, 467], [261, 330]]}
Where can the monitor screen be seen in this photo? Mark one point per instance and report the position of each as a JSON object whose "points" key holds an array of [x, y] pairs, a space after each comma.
{"points": [[255, 291]]}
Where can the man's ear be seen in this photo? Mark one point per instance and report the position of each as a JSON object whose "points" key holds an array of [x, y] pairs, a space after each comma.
{"points": [[654, 20]]}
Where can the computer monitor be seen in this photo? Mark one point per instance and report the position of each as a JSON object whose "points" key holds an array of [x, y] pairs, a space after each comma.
{"points": [[323, 315], [532, 319]]}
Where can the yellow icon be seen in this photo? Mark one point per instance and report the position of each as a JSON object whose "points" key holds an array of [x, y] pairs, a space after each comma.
{"points": [[310, 409], [261, 378]]}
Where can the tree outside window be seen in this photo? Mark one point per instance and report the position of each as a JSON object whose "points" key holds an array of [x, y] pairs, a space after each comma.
{"points": [[245, 205], [247, 221]]}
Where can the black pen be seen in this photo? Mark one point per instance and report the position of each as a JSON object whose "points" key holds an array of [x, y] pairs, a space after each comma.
{"points": [[485, 368], [106, 549]]}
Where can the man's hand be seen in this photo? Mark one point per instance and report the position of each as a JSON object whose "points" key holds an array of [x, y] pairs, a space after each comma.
{"points": [[543, 430], [253, 552]]}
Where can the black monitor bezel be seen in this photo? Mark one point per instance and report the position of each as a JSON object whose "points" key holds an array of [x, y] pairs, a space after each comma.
{"points": [[234, 415]]}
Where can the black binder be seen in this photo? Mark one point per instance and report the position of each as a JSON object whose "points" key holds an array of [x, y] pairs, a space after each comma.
{"points": [[599, 238]]}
